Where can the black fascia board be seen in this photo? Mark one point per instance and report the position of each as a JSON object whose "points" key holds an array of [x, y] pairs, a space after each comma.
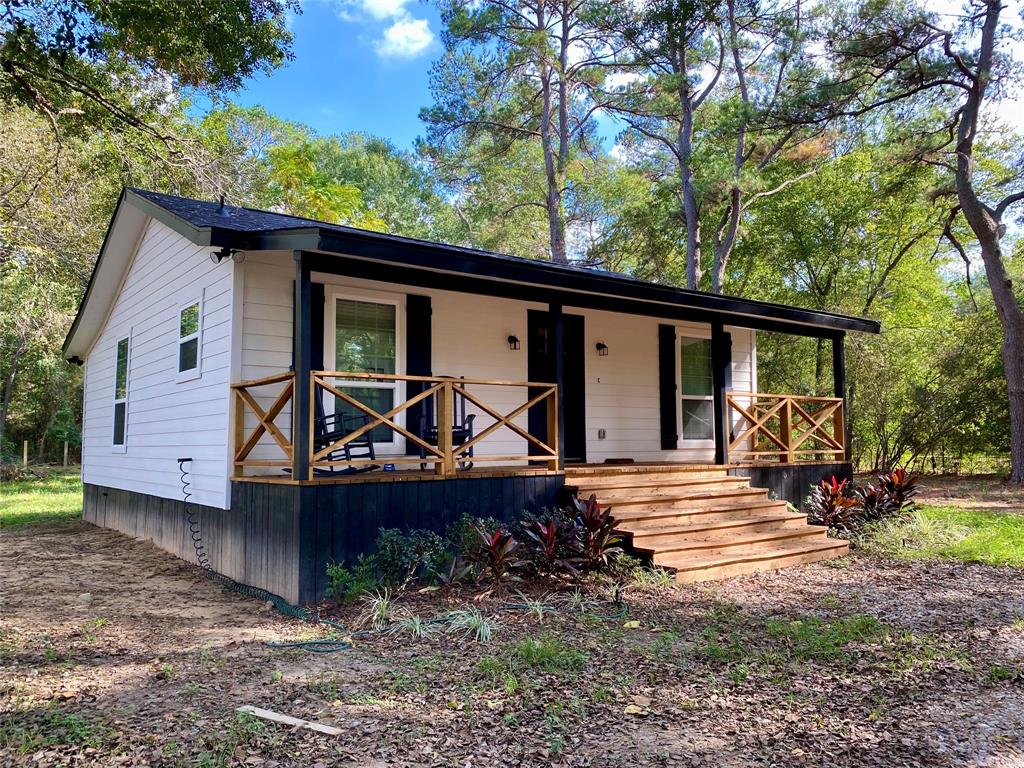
{"points": [[391, 272], [550, 278]]}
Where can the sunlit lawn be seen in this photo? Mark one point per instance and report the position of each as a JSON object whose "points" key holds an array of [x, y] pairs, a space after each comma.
{"points": [[950, 533], [53, 499]]}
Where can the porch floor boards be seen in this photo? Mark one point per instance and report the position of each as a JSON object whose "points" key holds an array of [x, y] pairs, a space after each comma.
{"points": [[701, 522]]}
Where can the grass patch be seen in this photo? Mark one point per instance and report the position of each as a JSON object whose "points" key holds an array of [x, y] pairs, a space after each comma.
{"points": [[821, 640], [29, 730], [546, 654], [56, 498], [948, 533]]}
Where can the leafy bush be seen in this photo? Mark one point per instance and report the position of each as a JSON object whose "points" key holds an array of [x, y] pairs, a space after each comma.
{"points": [[497, 552], [401, 557], [344, 584], [874, 503], [829, 505], [554, 546], [597, 532], [901, 487]]}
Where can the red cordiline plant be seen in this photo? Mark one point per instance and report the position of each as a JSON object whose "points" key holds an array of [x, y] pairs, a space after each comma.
{"points": [[829, 505], [598, 539], [901, 487]]}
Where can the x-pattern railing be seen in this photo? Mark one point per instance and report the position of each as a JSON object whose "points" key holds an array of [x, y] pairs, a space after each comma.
{"points": [[245, 400], [446, 454], [785, 428]]}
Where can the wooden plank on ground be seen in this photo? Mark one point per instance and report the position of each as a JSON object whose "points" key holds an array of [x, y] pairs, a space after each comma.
{"points": [[295, 722]]}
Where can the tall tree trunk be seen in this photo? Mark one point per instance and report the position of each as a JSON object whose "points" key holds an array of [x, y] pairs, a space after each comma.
{"points": [[8, 392], [987, 226], [553, 196], [684, 151]]}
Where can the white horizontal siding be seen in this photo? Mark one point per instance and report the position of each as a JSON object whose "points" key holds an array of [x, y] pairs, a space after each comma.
{"points": [[469, 335], [166, 419]]}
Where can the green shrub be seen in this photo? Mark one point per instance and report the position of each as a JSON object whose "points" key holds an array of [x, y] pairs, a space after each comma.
{"points": [[345, 585], [402, 557]]}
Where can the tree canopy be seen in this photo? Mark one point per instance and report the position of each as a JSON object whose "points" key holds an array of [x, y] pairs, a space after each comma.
{"points": [[842, 158]]}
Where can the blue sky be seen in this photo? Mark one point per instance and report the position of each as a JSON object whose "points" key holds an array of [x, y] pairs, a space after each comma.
{"points": [[360, 65]]}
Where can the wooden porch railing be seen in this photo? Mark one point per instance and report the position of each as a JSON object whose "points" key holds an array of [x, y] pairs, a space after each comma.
{"points": [[445, 456], [785, 428], [245, 395]]}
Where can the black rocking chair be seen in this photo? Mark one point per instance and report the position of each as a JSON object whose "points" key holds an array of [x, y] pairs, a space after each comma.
{"points": [[462, 427], [331, 427]]}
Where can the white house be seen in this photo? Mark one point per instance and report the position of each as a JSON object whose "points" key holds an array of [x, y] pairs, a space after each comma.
{"points": [[313, 373]]}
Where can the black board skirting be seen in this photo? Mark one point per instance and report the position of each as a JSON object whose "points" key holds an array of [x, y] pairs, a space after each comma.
{"points": [[792, 482], [281, 537]]}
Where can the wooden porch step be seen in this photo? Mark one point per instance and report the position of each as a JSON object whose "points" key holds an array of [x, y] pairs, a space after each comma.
{"points": [[661, 537], [690, 568], [734, 541], [701, 522], [690, 499], [655, 515], [618, 487]]}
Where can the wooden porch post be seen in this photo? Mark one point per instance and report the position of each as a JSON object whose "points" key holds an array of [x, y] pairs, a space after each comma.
{"points": [[302, 329], [839, 379], [556, 349], [721, 359]]}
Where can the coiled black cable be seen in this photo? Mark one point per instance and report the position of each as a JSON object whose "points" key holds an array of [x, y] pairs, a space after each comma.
{"points": [[192, 516]]}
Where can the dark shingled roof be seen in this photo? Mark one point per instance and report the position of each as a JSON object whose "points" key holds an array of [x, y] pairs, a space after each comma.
{"points": [[210, 223]]}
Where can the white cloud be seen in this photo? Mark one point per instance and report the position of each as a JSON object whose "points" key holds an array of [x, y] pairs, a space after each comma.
{"points": [[385, 9], [615, 81], [406, 38]]}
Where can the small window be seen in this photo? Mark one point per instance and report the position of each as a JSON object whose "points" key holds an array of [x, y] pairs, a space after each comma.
{"points": [[696, 380], [189, 327], [121, 395]]}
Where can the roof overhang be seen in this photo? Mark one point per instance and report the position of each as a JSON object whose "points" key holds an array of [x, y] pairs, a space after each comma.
{"points": [[374, 255]]}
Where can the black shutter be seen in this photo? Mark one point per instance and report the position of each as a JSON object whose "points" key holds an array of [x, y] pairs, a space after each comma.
{"points": [[417, 358], [667, 387]]}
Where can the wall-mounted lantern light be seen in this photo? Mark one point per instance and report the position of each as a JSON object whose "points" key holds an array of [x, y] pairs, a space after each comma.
{"points": [[513, 343], [602, 349]]}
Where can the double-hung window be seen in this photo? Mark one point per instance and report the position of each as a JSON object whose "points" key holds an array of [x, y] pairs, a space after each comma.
{"points": [[189, 340], [121, 395], [696, 387], [366, 340]]}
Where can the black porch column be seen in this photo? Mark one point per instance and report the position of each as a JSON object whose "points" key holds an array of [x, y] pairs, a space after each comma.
{"points": [[839, 379], [557, 351], [721, 362], [302, 329]]}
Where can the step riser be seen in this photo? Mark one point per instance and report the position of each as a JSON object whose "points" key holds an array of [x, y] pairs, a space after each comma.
{"points": [[607, 495], [665, 539], [658, 515], [677, 554], [573, 478], [699, 518], [703, 501], [738, 569]]}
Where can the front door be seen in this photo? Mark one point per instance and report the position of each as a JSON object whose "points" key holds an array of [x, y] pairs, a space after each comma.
{"points": [[540, 365]]}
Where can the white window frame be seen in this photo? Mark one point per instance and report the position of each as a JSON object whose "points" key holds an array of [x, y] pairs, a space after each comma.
{"points": [[397, 445], [123, 446], [684, 442], [191, 373]]}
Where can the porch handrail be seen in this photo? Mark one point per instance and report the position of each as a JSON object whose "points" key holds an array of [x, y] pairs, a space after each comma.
{"points": [[445, 455], [785, 428], [245, 441]]}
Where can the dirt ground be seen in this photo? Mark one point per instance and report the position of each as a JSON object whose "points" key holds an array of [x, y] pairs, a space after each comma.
{"points": [[114, 653], [979, 492]]}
